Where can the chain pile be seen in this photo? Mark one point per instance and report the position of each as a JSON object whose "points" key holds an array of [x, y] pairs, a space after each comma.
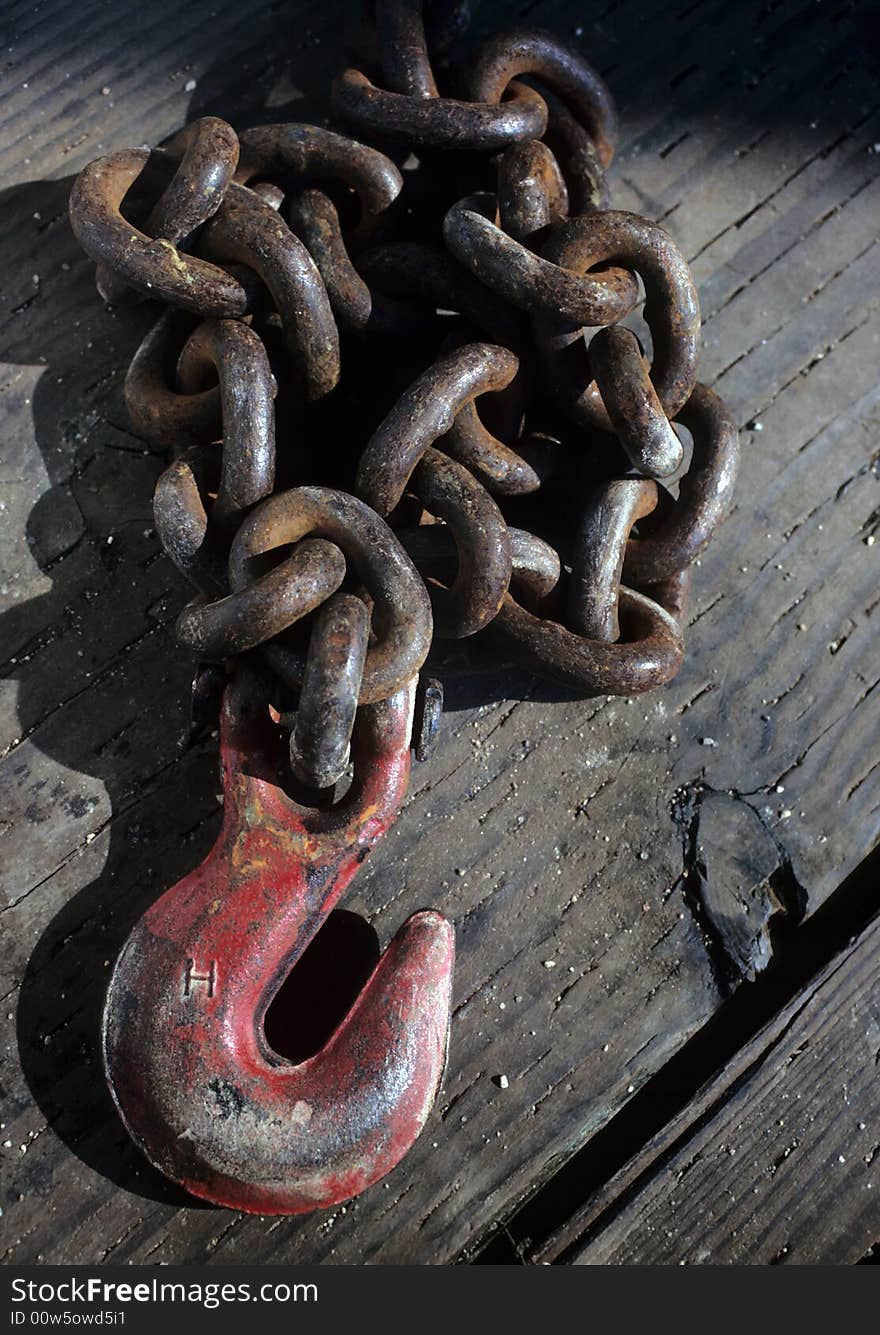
{"points": [[398, 390]]}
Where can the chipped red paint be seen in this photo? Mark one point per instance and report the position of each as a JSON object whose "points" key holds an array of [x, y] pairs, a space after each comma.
{"points": [[187, 1060]]}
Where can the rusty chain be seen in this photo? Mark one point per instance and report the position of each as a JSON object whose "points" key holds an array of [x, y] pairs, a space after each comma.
{"points": [[396, 386]]}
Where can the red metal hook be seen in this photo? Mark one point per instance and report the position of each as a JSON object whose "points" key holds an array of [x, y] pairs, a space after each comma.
{"points": [[199, 1089]]}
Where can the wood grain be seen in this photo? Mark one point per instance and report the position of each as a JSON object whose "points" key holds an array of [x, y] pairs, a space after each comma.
{"points": [[781, 1164], [550, 829]]}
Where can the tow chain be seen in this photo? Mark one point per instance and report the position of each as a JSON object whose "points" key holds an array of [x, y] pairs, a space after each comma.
{"points": [[403, 407]]}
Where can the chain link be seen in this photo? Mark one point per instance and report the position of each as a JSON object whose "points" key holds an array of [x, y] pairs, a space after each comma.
{"points": [[440, 337]]}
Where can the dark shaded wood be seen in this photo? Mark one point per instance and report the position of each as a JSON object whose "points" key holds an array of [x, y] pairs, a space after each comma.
{"points": [[562, 836], [738, 899], [780, 1163]]}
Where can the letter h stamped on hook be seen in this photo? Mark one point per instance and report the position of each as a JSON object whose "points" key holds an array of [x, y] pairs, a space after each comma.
{"points": [[188, 1064]]}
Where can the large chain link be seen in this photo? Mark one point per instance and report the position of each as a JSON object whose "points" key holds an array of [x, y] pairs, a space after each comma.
{"points": [[397, 390]]}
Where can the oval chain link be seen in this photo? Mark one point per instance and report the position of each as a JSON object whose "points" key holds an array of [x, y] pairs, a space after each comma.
{"points": [[499, 478]]}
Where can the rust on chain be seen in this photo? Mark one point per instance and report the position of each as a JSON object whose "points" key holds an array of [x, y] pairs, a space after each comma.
{"points": [[247, 230], [410, 108], [448, 490], [401, 613], [439, 122], [328, 699], [648, 653], [424, 413], [274, 601], [297, 154], [314, 218], [598, 552], [403, 48], [310, 159], [536, 567], [531, 190], [239, 474], [672, 311], [502, 471], [672, 593], [154, 266], [630, 400], [540, 54], [208, 151], [504, 409], [535, 283], [576, 154], [686, 526], [157, 409], [180, 510], [233, 353]]}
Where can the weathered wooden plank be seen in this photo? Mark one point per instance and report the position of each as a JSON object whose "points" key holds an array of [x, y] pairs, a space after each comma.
{"points": [[780, 1163], [550, 829]]}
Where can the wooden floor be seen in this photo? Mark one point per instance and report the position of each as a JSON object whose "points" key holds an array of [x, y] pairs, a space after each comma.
{"points": [[660, 1106]]}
